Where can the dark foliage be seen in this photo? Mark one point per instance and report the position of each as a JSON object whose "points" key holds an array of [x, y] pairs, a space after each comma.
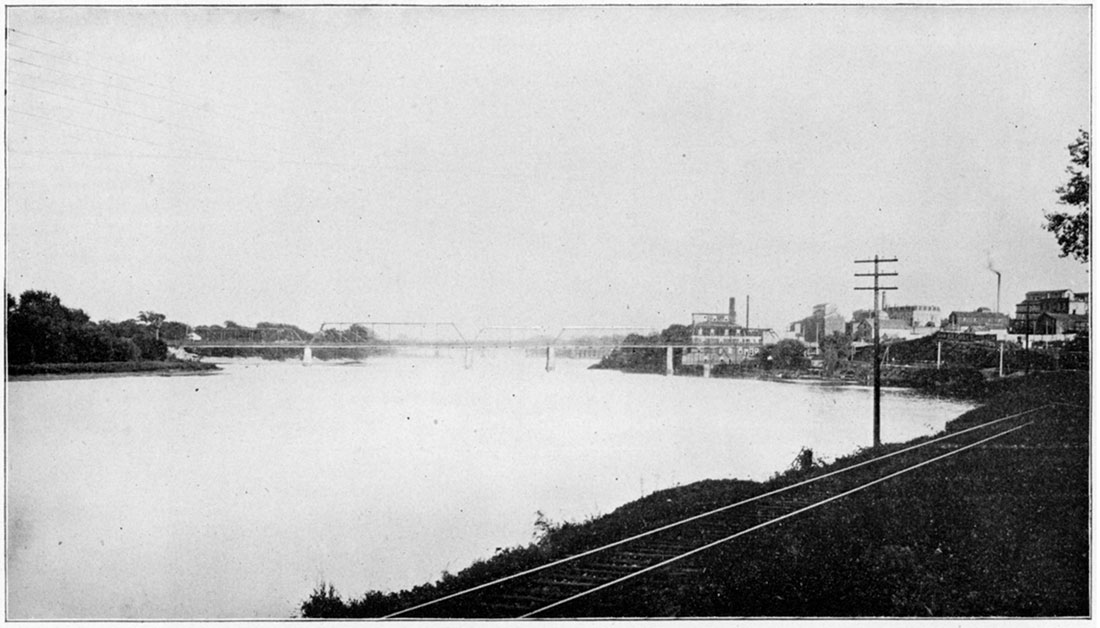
{"points": [[42, 330], [837, 353], [648, 360], [324, 602], [1072, 228], [975, 354], [85, 368], [787, 355], [275, 333], [951, 380]]}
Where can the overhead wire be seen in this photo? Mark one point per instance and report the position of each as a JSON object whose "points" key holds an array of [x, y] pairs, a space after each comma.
{"points": [[107, 83], [161, 121], [87, 128], [241, 105], [217, 110], [194, 146], [247, 106], [285, 158], [210, 111], [204, 107], [88, 65]]}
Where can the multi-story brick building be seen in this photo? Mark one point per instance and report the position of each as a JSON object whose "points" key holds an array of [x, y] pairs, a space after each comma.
{"points": [[824, 322], [1039, 302], [720, 340], [863, 328], [1057, 323], [915, 315]]}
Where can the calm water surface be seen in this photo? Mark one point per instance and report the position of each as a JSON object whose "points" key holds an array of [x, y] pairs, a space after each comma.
{"points": [[233, 495]]}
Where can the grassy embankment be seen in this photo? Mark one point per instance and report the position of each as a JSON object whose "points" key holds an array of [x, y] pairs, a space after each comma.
{"points": [[106, 368], [998, 531]]}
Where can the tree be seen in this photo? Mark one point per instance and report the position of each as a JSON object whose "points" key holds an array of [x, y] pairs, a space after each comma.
{"points": [[836, 350], [154, 319], [1072, 229], [787, 354], [174, 330], [41, 329], [677, 335]]}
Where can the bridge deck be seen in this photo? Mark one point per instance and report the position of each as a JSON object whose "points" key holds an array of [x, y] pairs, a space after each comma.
{"points": [[220, 344]]}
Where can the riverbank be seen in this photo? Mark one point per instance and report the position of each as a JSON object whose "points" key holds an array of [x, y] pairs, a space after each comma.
{"points": [[1001, 531], [949, 381], [99, 369]]}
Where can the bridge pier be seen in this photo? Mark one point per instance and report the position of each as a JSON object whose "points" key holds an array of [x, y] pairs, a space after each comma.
{"points": [[307, 356], [549, 359], [468, 361], [668, 360]]}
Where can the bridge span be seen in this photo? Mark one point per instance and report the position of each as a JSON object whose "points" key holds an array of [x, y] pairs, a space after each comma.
{"points": [[387, 337]]}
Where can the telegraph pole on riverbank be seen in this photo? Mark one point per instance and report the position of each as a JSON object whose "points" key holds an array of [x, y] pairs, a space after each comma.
{"points": [[874, 321]]}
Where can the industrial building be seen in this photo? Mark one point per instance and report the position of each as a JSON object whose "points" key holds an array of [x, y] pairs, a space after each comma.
{"points": [[1039, 302], [822, 323], [717, 338], [915, 315]]}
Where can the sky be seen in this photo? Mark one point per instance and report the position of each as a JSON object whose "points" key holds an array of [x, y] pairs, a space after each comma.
{"points": [[553, 166]]}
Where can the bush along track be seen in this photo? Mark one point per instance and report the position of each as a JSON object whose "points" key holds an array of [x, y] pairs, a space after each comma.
{"points": [[996, 525]]}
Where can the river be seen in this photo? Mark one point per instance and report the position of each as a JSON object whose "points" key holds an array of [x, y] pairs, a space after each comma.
{"points": [[232, 495]]}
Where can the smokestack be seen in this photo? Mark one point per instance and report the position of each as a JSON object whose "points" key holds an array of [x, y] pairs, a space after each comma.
{"points": [[747, 297], [998, 273], [733, 311]]}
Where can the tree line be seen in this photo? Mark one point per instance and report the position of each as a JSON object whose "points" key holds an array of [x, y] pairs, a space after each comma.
{"points": [[40, 330]]}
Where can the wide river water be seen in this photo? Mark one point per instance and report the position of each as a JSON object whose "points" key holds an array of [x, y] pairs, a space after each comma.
{"points": [[232, 495]]}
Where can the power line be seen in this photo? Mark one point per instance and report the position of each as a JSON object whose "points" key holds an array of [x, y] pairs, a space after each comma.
{"points": [[107, 83], [247, 107], [107, 108], [87, 128], [201, 109], [214, 145], [75, 48], [80, 63], [287, 160], [248, 110], [208, 144]]}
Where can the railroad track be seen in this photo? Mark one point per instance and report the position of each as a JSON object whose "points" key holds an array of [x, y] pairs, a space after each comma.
{"points": [[548, 590]]}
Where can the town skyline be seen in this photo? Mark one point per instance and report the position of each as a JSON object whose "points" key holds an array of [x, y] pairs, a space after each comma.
{"points": [[539, 166]]}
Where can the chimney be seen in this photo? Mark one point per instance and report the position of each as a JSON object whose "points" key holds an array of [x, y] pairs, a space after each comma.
{"points": [[733, 311], [998, 293], [747, 310]]}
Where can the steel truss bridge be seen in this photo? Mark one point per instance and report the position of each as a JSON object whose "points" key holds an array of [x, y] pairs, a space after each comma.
{"points": [[383, 337]]}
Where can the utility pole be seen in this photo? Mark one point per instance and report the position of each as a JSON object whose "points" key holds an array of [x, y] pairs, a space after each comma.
{"points": [[877, 370], [1027, 336]]}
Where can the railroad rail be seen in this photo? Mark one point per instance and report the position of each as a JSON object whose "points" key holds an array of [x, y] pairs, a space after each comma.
{"points": [[548, 590]]}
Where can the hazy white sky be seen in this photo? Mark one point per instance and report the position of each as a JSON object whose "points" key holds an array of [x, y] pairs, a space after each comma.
{"points": [[536, 166]]}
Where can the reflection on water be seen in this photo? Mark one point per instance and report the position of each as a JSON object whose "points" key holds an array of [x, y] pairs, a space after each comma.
{"points": [[232, 495]]}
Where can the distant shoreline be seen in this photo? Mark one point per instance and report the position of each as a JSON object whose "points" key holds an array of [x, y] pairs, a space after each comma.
{"points": [[26, 372]]}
